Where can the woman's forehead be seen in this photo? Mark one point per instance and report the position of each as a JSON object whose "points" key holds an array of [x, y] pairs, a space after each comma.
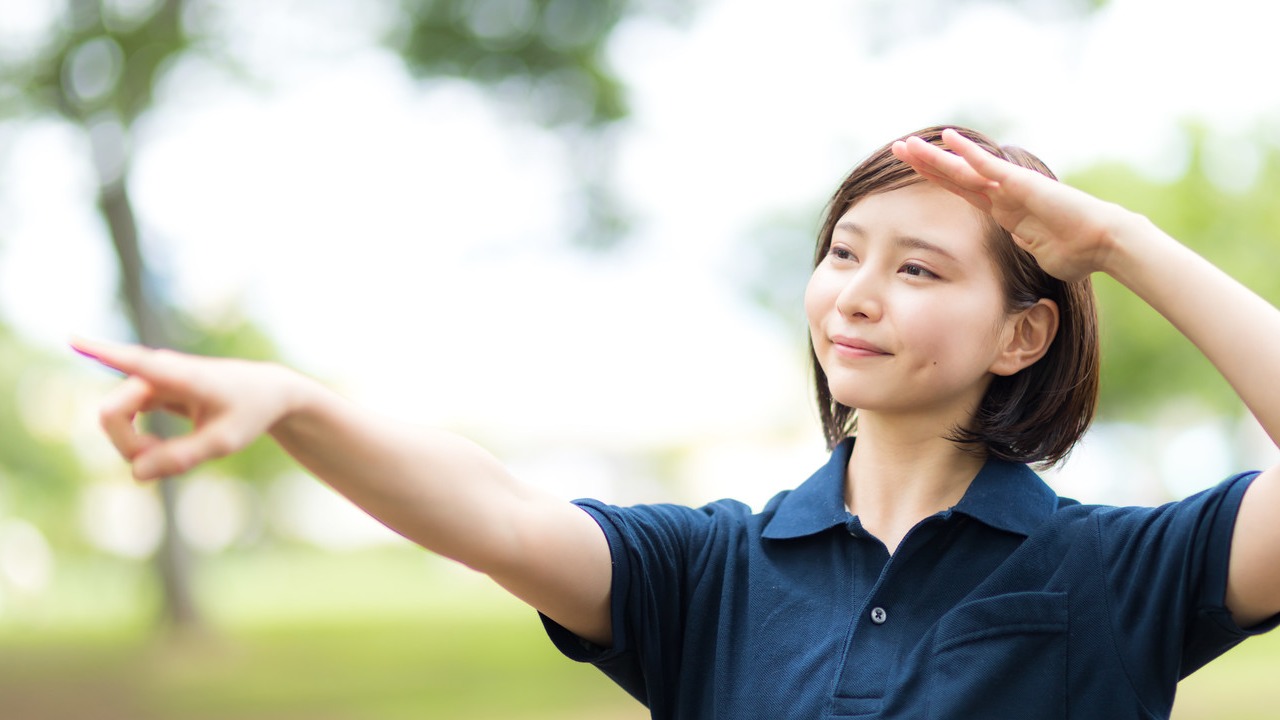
{"points": [[921, 210]]}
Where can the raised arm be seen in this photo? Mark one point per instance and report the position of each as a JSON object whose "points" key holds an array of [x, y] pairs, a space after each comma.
{"points": [[435, 488], [1072, 234]]}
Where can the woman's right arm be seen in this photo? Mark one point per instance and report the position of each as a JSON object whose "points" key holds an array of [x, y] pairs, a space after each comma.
{"points": [[435, 488]]}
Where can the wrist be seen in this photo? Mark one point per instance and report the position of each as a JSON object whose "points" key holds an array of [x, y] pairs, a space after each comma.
{"points": [[297, 394], [1126, 238], [1136, 246]]}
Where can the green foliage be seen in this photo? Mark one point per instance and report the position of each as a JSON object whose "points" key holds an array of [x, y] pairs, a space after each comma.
{"points": [[548, 60], [1146, 362], [39, 472], [107, 59], [551, 51]]}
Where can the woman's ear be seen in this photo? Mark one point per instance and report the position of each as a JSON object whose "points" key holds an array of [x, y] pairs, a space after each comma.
{"points": [[1027, 337]]}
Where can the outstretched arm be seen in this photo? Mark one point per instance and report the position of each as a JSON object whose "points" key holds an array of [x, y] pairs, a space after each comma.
{"points": [[435, 488], [1072, 234]]}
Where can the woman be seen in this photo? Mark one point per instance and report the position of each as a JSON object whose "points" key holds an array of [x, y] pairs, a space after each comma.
{"points": [[925, 571]]}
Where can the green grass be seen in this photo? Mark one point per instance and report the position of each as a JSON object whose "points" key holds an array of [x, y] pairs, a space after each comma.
{"points": [[385, 635], [371, 668], [472, 667]]}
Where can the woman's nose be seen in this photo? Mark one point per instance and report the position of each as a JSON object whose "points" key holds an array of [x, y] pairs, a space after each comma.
{"points": [[861, 296]]}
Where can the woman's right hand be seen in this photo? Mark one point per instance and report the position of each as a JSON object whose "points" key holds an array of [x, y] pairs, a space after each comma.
{"points": [[1071, 233], [439, 490], [229, 403]]}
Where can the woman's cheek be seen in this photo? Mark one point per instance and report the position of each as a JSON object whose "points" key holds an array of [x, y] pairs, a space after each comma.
{"points": [[818, 301]]}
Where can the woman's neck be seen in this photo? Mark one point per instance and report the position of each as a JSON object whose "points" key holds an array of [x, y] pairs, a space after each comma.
{"points": [[899, 474]]}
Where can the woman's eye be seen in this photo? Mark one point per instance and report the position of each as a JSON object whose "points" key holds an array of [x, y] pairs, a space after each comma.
{"points": [[841, 253], [916, 271]]}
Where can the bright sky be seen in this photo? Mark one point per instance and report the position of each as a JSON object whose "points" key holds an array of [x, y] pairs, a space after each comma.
{"points": [[409, 241]]}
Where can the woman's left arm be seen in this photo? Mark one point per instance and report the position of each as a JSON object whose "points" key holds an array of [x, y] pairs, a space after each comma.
{"points": [[1073, 234]]}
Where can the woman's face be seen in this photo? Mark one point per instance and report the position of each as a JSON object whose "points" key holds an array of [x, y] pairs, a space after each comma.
{"points": [[906, 310]]}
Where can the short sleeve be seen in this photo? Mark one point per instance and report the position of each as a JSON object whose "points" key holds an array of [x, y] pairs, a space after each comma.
{"points": [[659, 554], [1166, 579]]}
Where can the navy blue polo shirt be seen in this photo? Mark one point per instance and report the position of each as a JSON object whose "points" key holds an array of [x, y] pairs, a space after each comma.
{"points": [[1012, 604]]}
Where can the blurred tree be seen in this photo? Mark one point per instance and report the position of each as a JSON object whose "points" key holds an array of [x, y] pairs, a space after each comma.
{"points": [[98, 70], [547, 60], [102, 61], [546, 55]]}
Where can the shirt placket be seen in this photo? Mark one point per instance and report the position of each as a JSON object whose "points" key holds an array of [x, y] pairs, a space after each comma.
{"points": [[875, 637]]}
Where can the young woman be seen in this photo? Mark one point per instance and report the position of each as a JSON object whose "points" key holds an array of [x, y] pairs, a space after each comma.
{"points": [[925, 571]]}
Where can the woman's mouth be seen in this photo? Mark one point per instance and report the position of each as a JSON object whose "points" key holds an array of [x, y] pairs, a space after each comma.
{"points": [[853, 347]]}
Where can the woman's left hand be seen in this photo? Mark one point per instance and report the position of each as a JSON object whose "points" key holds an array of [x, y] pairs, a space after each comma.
{"points": [[1069, 232]]}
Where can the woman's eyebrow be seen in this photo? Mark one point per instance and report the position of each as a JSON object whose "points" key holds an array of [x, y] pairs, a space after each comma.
{"points": [[909, 242], [915, 243]]}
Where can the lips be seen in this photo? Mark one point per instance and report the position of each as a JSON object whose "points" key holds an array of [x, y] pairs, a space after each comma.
{"points": [[856, 347]]}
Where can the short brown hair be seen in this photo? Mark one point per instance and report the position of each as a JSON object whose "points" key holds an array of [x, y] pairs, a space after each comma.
{"points": [[1033, 416]]}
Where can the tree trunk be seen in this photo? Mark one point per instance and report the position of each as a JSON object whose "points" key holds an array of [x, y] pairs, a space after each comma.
{"points": [[146, 314]]}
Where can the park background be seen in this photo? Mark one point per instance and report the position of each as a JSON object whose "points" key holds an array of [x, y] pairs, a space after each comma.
{"points": [[575, 230]]}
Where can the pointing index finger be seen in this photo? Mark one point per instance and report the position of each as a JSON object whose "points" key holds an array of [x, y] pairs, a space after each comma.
{"points": [[128, 359]]}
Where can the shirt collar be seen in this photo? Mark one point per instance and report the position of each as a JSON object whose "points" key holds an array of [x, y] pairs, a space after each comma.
{"points": [[1005, 495], [817, 504]]}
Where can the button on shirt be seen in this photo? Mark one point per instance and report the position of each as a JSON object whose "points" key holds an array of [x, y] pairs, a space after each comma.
{"points": [[1012, 604]]}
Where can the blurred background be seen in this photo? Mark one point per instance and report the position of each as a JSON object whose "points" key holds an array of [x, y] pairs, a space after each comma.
{"points": [[577, 231]]}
